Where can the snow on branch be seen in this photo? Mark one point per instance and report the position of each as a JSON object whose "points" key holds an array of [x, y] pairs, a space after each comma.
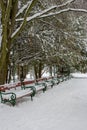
{"points": [[22, 9], [29, 19], [64, 10], [46, 11], [78, 10], [37, 14], [28, 10], [66, 3], [42, 14]]}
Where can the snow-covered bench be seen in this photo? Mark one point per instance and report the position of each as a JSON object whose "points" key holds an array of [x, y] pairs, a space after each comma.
{"points": [[12, 97], [66, 77], [27, 90], [40, 86], [56, 80], [62, 78], [37, 86], [49, 82]]}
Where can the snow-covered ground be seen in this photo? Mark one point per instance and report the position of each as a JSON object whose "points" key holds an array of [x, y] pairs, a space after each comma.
{"points": [[79, 75], [62, 108]]}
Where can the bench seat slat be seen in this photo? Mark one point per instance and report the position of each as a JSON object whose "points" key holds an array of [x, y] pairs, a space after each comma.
{"points": [[48, 83], [39, 87], [19, 94], [23, 93]]}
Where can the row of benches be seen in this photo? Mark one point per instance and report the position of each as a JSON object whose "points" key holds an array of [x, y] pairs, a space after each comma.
{"points": [[30, 90]]}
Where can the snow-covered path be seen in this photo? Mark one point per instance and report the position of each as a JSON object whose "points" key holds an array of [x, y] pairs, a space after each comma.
{"points": [[62, 108]]}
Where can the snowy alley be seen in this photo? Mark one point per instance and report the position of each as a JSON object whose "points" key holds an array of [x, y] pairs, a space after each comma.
{"points": [[63, 107]]}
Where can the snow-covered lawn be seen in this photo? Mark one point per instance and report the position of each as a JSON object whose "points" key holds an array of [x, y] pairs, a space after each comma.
{"points": [[63, 107]]}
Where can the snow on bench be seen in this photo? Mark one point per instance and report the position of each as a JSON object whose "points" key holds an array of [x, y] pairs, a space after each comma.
{"points": [[50, 82], [36, 86], [30, 90], [12, 97], [39, 87], [56, 80], [23, 93]]}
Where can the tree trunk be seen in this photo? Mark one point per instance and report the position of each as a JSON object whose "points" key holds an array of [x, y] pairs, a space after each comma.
{"points": [[40, 70], [36, 71], [9, 75], [4, 69], [8, 14], [50, 70]]}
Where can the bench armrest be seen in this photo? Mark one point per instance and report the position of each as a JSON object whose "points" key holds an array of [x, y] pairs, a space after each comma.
{"points": [[8, 97]]}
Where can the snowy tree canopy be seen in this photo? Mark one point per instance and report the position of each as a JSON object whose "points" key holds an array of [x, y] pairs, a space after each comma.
{"points": [[60, 31]]}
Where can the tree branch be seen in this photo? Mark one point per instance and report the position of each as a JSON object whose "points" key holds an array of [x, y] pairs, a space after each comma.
{"points": [[8, 10], [62, 11], [22, 9], [28, 10], [46, 11]]}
